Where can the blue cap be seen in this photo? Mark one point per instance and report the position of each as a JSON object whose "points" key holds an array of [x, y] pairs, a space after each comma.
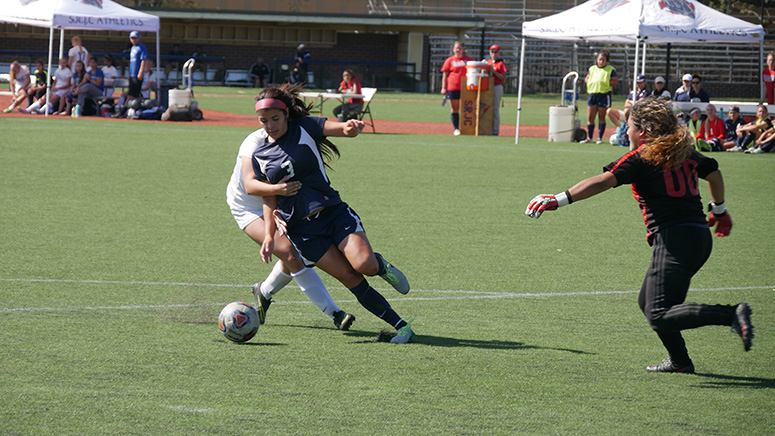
{"points": [[134, 34], [640, 78]]}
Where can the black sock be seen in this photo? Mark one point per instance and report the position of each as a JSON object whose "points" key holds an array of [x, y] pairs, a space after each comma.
{"points": [[382, 268], [455, 120], [375, 303], [590, 131]]}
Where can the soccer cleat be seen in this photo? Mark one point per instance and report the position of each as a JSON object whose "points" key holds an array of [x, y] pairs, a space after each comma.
{"points": [[735, 149], [599, 141], [585, 141], [343, 320], [456, 132], [396, 278], [403, 335], [742, 325], [667, 365], [7, 110], [262, 304], [757, 150]]}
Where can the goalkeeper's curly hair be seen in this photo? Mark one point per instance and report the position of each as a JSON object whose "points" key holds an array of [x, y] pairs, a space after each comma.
{"points": [[667, 143]]}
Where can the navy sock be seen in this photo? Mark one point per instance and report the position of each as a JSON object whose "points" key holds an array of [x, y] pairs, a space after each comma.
{"points": [[382, 268], [601, 126], [375, 303], [455, 120], [590, 131]]}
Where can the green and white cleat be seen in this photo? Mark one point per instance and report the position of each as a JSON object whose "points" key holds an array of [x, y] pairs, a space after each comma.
{"points": [[343, 320], [396, 278], [404, 335], [262, 304]]}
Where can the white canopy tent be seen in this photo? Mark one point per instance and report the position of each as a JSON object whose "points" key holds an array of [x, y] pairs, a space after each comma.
{"points": [[78, 15], [639, 22]]}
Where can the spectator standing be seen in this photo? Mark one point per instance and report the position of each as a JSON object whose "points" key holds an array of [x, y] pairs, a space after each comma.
{"points": [[768, 77], [712, 132], [77, 53], [682, 93], [109, 73], [20, 83], [453, 71], [600, 80], [350, 85], [259, 72], [615, 115], [499, 72], [138, 58], [302, 58], [696, 93], [660, 89]]}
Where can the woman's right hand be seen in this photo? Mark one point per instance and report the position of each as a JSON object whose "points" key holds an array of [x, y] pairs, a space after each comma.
{"points": [[288, 189]]}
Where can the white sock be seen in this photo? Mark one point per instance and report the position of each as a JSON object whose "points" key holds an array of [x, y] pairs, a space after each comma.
{"points": [[275, 281], [11, 106], [311, 284], [34, 106]]}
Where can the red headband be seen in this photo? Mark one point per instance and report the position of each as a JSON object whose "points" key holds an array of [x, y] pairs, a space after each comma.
{"points": [[270, 103]]}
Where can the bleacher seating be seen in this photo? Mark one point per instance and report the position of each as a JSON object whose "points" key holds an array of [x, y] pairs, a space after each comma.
{"points": [[238, 78]]}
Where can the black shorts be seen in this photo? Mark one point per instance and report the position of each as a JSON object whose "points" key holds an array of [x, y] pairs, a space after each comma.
{"points": [[135, 87], [313, 239]]}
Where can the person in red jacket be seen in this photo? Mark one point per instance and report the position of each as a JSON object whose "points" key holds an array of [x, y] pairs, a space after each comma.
{"points": [[768, 77], [712, 132], [499, 75], [454, 69]]}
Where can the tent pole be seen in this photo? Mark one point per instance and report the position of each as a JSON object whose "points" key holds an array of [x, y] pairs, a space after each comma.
{"points": [[48, 76], [643, 59], [667, 67], [635, 71], [158, 66], [519, 90], [761, 68]]}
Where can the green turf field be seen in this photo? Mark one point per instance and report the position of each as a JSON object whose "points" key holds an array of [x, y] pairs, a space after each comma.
{"points": [[118, 252]]}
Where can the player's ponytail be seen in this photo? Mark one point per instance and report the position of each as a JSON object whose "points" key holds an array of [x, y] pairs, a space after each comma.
{"points": [[667, 143]]}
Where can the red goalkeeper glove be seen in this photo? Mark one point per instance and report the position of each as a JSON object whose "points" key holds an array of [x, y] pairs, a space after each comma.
{"points": [[543, 202], [719, 217]]}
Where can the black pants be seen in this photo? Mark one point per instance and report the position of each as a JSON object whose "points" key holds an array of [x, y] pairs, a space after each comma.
{"points": [[679, 252]]}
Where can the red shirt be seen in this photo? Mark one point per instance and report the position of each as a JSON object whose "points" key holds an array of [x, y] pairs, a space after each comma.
{"points": [[354, 88], [715, 128], [768, 77], [456, 69], [499, 67]]}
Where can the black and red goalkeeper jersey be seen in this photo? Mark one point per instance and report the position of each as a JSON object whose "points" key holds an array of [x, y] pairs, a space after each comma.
{"points": [[665, 197]]}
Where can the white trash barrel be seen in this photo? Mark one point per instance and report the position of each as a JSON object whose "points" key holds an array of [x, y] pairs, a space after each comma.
{"points": [[561, 124], [180, 97]]}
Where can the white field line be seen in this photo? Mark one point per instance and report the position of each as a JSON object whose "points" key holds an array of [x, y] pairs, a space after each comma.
{"points": [[471, 295]]}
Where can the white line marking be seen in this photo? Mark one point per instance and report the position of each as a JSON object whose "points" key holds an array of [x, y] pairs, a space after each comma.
{"points": [[190, 409], [472, 295]]}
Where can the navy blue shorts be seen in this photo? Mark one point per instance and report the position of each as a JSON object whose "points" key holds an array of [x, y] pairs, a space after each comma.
{"points": [[453, 95], [599, 100], [313, 238]]}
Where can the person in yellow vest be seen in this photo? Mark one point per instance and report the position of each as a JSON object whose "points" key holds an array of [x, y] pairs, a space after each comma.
{"points": [[600, 81]]}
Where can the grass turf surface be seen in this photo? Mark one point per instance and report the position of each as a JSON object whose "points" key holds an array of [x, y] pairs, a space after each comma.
{"points": [[118, 255]]}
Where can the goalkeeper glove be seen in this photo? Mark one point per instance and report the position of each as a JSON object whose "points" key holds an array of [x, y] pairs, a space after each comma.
{"points": [[720, 216], [543, 202]]}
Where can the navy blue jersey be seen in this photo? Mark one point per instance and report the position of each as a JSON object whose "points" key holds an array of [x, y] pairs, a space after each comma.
{"points": [[297, 154], [665, 197]]}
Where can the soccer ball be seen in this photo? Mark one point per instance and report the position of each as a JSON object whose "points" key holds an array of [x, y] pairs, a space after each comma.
{"points": [[238, 321], [614, 139]]}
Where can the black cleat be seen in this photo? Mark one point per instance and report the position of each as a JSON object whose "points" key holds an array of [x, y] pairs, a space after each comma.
{"points": [[742, 325], [343, 320], [667, 365], [262, 304]]}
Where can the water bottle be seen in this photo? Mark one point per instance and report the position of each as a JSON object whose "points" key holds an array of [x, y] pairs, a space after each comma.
{"points": [[721, 113]]}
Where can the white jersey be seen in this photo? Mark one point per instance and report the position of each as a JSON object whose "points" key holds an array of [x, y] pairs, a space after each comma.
{"points": [[78, 54], [22, 80], [244, 207], [61, 79], [149, 83], [110, 72]]}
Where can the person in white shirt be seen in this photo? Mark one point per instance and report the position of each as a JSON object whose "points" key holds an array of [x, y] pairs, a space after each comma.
{"points": [[77, 53], [110, 73], [60, 85], [20, 82], [149, 80], [659, 88]]}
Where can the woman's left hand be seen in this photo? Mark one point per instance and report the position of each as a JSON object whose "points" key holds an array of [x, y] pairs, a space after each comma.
{"points": [[266, 250], [353, 127]]}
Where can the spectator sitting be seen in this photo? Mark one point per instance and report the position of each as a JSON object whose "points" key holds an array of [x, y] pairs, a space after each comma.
{"points": [[110, 73], [92, 86], [199, 56], [296, 76], [752, 131], [20, 83], [149, 80], [59, 87], [682, 93], [37, 89], [712, 132], [697, 94], [350, 85], [78, 79], [615, 114], [695, 124], [175, 62], [302, 57], [660, 89], [732, 138], [765, 143], [259, 72]]}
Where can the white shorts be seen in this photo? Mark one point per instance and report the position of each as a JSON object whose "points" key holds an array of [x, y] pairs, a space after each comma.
{"points": [[61, 92], [17, 87], [244, 216]]}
